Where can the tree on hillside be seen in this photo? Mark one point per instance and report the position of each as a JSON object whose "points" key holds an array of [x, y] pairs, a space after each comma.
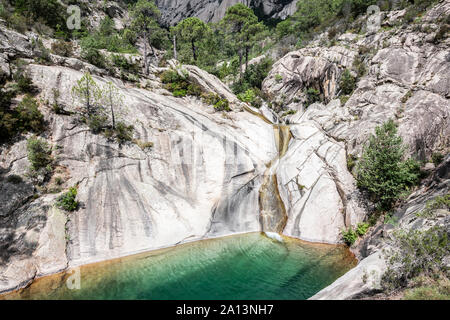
{"points": [[191, 31], [113, 99], [242, 27], [88, 94], [382, 171], [144, 15]]}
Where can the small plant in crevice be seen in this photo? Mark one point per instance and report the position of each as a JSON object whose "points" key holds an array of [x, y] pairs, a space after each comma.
{"points": [[349, 236], [40, 158], [312, 96], [362, 228], [347, 83], [437, 158], [351, 162], [67, 201]]}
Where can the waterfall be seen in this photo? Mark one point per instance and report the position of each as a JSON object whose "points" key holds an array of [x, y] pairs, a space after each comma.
{"points": [[273, 213]]}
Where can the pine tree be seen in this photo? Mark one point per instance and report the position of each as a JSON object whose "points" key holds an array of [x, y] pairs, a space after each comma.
{"points": [[88, 93], [191, 31], [382, 171], [145, 16]]}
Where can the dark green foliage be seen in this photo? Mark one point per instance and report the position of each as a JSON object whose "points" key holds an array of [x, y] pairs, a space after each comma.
{"points": [[351, 162], [15, 179], [190, 32], [382, 171], [68, 201], [29, 118], [219, 103], [359, 66], [416, 253], [347, 83], [108, 38], [40, 52], [24, 83], [25, 117], [39, 154], [123, 64], [94, 56], [312, 96], [349, 236], [97, 122], [123, 133], [179, 84], [36, 13], [253, 77], [437, 158]]}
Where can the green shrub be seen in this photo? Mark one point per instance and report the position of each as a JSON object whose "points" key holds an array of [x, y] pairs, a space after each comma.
{"points": [[15, 179], [437, 158], [312, 96], [391, 219], [39, 155], [68, 201], [415, 253], [382, 170], [95, 57], [97, 122], [25, 117], [219, 103], [288, 113], [123, 132], [250, 96], [180, 85], [123, 64], [222, 105], [108, 38], [347, 83], [362, 228], [62, 48], [253, 76], [24, 84], [349, 236], [29, 117], [40, 52]]}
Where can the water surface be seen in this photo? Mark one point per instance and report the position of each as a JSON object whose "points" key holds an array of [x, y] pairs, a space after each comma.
{"points": [[248, 266]]}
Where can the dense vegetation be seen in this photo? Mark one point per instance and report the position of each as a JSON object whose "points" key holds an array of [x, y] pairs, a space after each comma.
{"points": [[416, 253], [383, 170], [67, 201]]}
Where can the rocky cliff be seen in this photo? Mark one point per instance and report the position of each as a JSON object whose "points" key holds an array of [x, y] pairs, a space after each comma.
{"points": [[173, 11]]}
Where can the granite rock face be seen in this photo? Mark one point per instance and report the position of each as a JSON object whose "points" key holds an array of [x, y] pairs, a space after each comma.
{"points": [[173, 11], [319, 193], [404, 76]]}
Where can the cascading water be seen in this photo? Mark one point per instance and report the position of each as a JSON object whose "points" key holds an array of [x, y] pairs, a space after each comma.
{"points": [[273, 213]]}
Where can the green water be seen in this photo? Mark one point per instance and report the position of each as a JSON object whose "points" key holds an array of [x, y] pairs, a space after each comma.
{"points": [[249, 266]]}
